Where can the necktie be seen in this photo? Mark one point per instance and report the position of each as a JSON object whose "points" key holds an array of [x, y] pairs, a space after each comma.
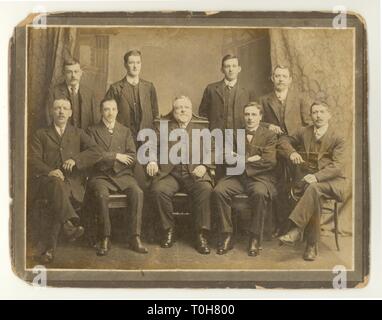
{"points": [[250, 135]]}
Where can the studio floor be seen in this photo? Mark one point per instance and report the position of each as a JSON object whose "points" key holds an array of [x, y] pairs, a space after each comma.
{"points": [[183, 256]]}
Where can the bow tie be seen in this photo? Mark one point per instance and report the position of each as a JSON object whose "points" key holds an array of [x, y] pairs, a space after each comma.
{"points": [[251, 133]]}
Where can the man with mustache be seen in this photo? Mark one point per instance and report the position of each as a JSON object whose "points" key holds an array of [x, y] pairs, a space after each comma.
{"points": [[84, 108], [58, 156], [317, 153], [169, 178], [285, 111]]}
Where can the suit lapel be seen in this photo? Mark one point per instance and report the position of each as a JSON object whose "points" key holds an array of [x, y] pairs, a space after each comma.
{"points": [[325, 142], [274, 103], [53, 134], [82, 97], [308, 135], [104, 135], [219, 89], [116, 137]]}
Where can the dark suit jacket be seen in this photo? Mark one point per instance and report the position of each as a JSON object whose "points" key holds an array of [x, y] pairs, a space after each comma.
{"points": [[212, 104], [165, 169], [297, 111], [330, 156], [48, 152], [90, 112], [148, 102], [262, 144], [121, 141]]}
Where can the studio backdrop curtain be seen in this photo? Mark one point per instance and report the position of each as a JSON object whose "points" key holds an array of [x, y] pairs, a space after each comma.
{"points": [[47, 50], [321, 62]]}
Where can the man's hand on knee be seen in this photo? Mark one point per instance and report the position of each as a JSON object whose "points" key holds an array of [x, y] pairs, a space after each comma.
{"points": [[57, 173], [310, 178]]}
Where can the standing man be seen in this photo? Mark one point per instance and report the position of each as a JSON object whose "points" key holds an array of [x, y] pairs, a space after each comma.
{"points": [[257, 181], [285, 109], [169, 178], [317, 152], [223, 102], [136, 98], [85, 111], [58, 155], [113, 173]]}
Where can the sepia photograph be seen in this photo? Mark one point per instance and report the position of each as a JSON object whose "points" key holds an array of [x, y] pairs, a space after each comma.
{"points": [[190, 149]]}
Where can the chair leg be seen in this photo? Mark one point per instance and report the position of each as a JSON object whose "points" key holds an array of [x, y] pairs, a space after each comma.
{"points": [[336, 225], [234, 221]]}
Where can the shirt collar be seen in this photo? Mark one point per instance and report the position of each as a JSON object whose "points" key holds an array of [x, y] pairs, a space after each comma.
{"points": [[76, 88], [183, 125], [253, 130], [131, 80], [281, 95], [230, 83], [321, 131], [108, 125], [58, 129]]}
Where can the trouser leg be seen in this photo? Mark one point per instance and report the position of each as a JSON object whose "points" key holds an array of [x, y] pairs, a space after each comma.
{"points": [[162, 192], [221, 199]]}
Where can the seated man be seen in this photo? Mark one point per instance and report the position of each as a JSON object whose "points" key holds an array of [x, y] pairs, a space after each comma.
{"points": [[58, 153], [317, 152], [170, 178], [114, 173], [257, 181]]}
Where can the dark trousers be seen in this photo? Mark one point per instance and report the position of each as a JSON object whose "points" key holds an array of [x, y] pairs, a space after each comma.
{"points": [[163, 190], [99, 190], [258, 196], [307, 211], [57, 193]]}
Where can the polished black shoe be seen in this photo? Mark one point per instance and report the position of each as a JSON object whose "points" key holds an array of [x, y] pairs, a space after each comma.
{"points": [[253, 247], [202, 244], [310, 253], [72, 232], [47, 257], [168, 239], [225, 245], [136, 245], [103, 247]]}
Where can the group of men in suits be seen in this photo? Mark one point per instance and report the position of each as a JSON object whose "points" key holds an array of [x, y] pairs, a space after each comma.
{"points": [[282, 131]]}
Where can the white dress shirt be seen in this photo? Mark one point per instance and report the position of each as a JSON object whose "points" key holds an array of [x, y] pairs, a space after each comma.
{"points": [[74, 89], [231, 83], [109, 126], [59, 130], [282, 95], [319, 132], [132, 81], [250, 136]]}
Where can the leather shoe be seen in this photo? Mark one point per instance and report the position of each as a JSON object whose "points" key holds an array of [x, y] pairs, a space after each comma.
{"points": [[103, 247], [310, 253], [72, 232], [253, 247], [47, 257], [225, 245], [136, 245], [168, 239], [291, 237], [202, 244]]}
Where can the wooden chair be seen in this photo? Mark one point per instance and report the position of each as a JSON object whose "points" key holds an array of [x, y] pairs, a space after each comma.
{"points": [[330, 206]]}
